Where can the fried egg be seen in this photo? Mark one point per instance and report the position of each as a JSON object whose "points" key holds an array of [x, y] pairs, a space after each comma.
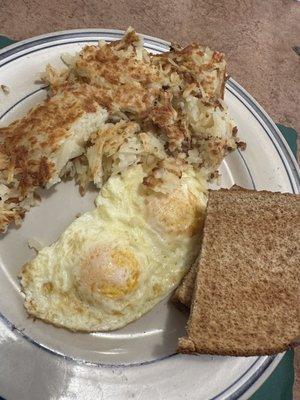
{"points": [[113, 264]]}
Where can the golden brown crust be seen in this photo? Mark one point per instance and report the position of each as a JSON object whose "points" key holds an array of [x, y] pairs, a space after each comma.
{"points": [[159, 92], [189, 64], [149, 88], [28, 146]]}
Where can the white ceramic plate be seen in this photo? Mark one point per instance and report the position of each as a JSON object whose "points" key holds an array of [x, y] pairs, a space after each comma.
{"points": [[39, 361]]}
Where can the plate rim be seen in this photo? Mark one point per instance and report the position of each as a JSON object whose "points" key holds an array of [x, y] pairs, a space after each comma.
{"points": [[264, 371]]}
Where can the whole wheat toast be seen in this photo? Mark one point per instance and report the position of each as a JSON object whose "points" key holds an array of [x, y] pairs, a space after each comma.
{"points": [[246, 296], [183, 295]]}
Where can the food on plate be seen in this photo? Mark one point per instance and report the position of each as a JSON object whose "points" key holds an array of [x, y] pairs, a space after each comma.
{"points": [[35, 150], [159, 131], [184, 293], [113, 264], [246, 295], [177, 96]]}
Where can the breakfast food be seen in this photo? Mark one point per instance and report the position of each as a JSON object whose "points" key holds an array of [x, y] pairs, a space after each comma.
{"points": [[150, 132], [246, 296], [175, 97], [113, 264], [184, 293], [35, 150]]}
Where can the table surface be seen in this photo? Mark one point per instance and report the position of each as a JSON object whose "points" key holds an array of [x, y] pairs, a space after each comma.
{"points": [[256, 36]]}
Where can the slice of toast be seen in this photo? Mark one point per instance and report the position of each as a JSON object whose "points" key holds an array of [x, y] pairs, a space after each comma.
{"points": [[183, 295], [247, 289]]}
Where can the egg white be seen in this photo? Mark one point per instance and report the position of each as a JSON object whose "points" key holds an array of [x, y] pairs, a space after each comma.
{"points": [[113, 264]]}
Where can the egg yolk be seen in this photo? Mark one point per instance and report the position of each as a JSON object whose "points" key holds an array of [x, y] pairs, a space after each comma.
{"points": [[178, 212], [108, 272]]}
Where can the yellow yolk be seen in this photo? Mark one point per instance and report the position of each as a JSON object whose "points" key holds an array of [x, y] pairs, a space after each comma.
{"points": [[111, 273], [113, 264], [178, 212]]}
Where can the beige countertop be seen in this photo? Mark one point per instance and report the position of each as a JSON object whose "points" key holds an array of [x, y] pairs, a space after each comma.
{"points": [[256, 36]]}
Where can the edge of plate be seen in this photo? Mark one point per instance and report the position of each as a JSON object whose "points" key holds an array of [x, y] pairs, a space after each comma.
{"points": [[285, 149], [262, 376], [9, 50]]}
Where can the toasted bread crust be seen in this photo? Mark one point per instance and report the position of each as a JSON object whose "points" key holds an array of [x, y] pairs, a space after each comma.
{"points": [[184, 293], [187, 346]]}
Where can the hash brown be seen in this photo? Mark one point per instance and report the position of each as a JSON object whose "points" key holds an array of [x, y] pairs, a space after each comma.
{"points": [[174, 99], [35, 149]]}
